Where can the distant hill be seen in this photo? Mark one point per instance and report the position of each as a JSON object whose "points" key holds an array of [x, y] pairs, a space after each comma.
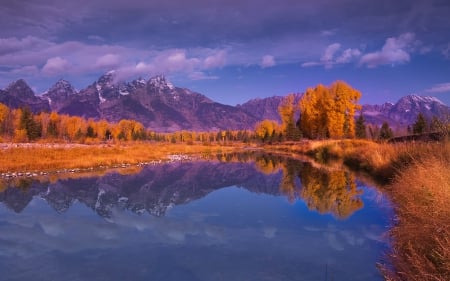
{"points": [[163, 107]]}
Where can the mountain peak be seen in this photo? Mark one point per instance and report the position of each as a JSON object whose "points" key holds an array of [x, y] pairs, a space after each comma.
{"points": [[61, 88], [107, 79], [160, 82], [20, 88], [420, 99], [62, 85]]}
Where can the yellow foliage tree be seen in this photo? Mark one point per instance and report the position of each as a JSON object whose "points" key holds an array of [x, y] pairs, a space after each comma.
{"points": [[266, 128], [328, 112]]}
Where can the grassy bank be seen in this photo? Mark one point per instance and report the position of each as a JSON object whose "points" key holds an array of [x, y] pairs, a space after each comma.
{"points": [[417, 178], [47, 157]]}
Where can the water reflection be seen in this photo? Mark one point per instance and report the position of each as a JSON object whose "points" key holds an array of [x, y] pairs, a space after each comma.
{"points": [[237, 217], [324, 189], [154, 189]]}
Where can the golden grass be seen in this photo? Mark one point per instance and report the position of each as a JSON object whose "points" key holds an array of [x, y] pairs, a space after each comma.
{"points": [[50, 158], [419, 185], [421, 238]]}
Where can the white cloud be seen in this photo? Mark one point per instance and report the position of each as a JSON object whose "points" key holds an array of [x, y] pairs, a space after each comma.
{"points": [[394, 51], [216, 60], [348, 55], [310, 64], [439, 88], [267, 61], [108, 61], [55, 66], [200, 75], [331, 56], [329, 52]]}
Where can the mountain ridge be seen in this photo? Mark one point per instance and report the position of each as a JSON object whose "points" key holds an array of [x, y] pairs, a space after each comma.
{"points": [[161, 106]]}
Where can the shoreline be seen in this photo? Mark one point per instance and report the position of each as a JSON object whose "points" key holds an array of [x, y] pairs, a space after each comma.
{"points": [[416, 176]]}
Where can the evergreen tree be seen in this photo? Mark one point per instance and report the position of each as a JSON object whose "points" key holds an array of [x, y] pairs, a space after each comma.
{"points": [[436, 125], [360, 127], [421, 124], [33, 129], [386, 132]]}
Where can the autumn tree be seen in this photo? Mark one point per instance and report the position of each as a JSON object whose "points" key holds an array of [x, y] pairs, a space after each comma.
{"points": [[328, 112], [4, 118], [314, 105], [287, 111], [265, 129]]}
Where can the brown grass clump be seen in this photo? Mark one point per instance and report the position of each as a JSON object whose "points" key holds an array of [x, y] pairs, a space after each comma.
{"points": [[421, 237], [44, 157]]}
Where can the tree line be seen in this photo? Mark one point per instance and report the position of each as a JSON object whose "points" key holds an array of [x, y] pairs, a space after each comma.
{"points": [[322, 112], [22, 125], [329, 112]]}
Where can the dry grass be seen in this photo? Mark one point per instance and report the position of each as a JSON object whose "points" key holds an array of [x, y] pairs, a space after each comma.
{"points": [[419, 185], [421, 237], [49, 158]]}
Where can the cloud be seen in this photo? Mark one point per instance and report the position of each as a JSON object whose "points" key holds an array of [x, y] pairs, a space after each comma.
{"points": [[13, 45], [348, 55], [331, 56], [446, 51], [199, 75], [439, 88], [108, 60], [395, 51], [216, 60], [55, 66], [329, 52], [267, 61]]}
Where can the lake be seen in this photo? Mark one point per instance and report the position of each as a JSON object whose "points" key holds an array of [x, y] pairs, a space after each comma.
{"points": [[237, 217]]}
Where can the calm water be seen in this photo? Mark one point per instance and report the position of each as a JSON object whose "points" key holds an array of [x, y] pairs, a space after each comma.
{"points": [[260, 219]]}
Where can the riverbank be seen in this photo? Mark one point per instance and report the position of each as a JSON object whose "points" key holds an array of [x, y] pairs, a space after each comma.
{"points": [[417, 178], [26, 159]]}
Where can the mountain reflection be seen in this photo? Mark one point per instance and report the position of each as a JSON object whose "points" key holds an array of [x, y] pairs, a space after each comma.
{"points": [[157, 188]]}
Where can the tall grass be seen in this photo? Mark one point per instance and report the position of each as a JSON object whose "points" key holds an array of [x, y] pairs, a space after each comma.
{"points": [[421, 236], [418, 178], [49, 158]]}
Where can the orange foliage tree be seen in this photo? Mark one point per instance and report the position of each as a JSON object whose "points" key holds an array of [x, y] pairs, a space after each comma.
{"points": [[328, 112]]}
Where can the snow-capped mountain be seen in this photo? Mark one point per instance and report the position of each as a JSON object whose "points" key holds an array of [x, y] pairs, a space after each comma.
{"points": [[163, 107], [404, 112], [58, 94]]}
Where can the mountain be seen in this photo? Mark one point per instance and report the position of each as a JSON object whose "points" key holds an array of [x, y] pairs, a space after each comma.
{"points": [[156, 103], [163, 107], [266, 108], [19, 94], [404, 112], [58, 94]]}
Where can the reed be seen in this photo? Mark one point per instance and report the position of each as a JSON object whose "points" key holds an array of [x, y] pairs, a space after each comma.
{"points": [[421, 235], [418, 181]]}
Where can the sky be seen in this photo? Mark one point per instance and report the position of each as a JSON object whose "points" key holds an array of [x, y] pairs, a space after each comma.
{"points": [[232, 50]]}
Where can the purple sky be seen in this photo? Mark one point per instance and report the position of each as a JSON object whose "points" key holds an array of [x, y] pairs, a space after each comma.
{"points": [[232, 50]]}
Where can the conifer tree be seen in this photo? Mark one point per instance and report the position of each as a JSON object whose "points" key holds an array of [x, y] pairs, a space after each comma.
{"points": [[360, 127], [420, 125], [385, 132]]}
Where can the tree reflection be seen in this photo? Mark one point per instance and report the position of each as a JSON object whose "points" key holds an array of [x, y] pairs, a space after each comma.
{"points": [[323, 190]]}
